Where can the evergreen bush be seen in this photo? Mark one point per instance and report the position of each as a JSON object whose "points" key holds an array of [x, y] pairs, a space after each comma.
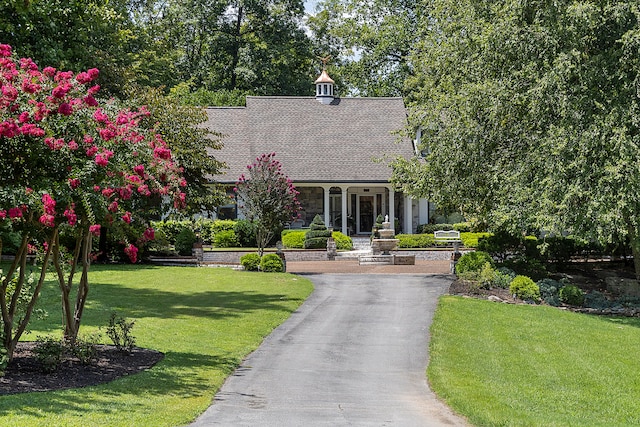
{"points": [[572, 295], [271, 263], [318, 234], [294, 239], [473, 261], [250, 262], [525, 289], [246, 232], [226, 239], [184, 242], [343, 242]]}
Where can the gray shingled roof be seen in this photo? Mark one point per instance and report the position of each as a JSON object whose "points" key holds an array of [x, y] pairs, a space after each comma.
{"points": [[314, 142]]}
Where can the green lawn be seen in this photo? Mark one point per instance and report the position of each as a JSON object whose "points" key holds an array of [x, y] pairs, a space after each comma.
{"points": [[519, 365], [205, 320]]}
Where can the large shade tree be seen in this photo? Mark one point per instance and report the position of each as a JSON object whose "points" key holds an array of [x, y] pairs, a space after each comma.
{"points": [[530, 114], [70, 166]]}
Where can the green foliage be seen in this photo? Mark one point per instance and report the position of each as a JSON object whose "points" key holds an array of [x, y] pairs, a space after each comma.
{"points": [[558, 249], [246, 232], [533, 268], [271, 263], [250, 262], [473, 261], [119, 331], [343, 242], [83, 348], [415, 240], [49, 353], [549, 291], [432, 228], [525, 289], [293, 239], [470, 240], [184, 242], [226, 239], [268, 198], [318, 234], [572, 295], [171, 228], [462, 227]]}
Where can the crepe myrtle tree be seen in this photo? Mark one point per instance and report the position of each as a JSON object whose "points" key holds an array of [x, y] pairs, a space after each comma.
{"points": [[72, 166], [267, 197]]}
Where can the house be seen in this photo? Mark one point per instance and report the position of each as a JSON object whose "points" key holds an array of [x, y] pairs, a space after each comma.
{"points": [[334, 150]]}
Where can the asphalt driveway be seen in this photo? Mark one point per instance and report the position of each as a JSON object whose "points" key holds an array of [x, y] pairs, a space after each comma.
{"points": [[354, 354]]}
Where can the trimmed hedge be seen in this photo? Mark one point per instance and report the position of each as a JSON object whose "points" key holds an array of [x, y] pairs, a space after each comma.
{"points": [[343, 242], [415, 240], [293, 239], [318, 234]]}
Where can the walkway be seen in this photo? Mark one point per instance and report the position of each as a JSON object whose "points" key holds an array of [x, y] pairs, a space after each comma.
{"points": [[354, 354]]}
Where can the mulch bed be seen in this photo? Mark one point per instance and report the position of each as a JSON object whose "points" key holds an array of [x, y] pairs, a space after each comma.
{"points": [[24, 373]]}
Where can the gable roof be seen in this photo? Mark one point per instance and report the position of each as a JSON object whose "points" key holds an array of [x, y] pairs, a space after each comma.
{"points": [[314, 142]]}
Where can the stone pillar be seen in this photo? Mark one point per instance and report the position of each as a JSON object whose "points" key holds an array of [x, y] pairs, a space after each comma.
{"points": [[345, 225]]}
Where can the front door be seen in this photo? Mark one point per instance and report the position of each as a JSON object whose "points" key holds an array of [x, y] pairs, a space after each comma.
{"points": [[366, 214]]}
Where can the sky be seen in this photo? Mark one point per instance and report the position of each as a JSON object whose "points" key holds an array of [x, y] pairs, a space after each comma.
{"points": [[310, 5]]}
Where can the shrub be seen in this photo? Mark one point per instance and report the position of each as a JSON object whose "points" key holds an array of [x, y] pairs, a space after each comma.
{"points": [[119, 331], [343, 243], [470, 240], [184, 241], [317, 236], [549, 291], [462, 227], [271, 263], [84, 349], [209, 228], [250, 262], [294, 239], [225, 239], [431, 228], [558, 249], [525, 289], [597, 300], [415, 240], [503, 278], [171, 228], [525, 266], [472, 261], [49, 353], [572, 295], [246, 232]]}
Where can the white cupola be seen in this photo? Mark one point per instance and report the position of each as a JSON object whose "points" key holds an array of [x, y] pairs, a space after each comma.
{"points": [[325, 88]]}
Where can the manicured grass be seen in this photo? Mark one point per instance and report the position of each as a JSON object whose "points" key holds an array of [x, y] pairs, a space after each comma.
{"points": [[205, 320], [519, 365]]}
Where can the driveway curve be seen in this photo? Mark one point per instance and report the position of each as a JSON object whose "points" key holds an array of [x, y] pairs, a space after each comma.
{"points": [[355, 353]]}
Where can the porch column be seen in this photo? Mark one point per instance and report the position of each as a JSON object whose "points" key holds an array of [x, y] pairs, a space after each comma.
{"points": [[408, 215], [345, 229], [423, 211], [326, 204], [392, 213]]}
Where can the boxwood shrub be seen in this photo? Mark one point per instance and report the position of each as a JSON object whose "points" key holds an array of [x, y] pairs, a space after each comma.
{"points": [[415, 240], [250, 262], [271, 263], [293, 239], [225, 239], [343, 242], [572, 295], [317, 236]]}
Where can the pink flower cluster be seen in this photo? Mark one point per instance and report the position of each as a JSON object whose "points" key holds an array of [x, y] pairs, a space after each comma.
{"points": [[109, 154]]}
